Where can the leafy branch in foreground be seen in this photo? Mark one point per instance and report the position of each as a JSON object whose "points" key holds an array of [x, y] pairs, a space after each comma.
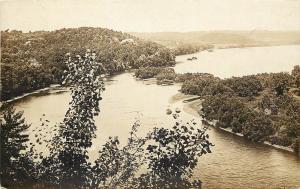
{"points": [[67, 165], [117, 166], [172, 154]]}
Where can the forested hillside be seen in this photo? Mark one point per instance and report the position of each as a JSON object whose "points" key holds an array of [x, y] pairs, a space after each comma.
{"points": [[35, 60]]}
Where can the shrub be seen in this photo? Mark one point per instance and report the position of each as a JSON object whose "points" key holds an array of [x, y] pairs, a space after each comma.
{"points": [[280, 82], [218, 89], [246, 86], [198, 85], [166, 74], [150, 72], [258, 127]]}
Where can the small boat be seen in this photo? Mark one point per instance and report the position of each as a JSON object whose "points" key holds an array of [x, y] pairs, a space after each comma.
{"points": [[165, 82], [169, 111], [177, 110], [193, 58], [210, 50]]}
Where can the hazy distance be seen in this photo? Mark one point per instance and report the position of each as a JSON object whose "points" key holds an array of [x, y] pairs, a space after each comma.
{"points": [[151, 15]]}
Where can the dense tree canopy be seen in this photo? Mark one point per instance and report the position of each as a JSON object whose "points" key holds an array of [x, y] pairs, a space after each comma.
{"points": [[182, 49], [261, 107], [280, 82], [35, 60], [246, 86]]}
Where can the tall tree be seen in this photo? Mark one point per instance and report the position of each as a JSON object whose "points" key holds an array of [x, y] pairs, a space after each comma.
{"points": [[68, 159], [13, 141]]}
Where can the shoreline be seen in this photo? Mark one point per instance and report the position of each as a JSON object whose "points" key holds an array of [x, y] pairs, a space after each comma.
{"points": [[51, 87], [193, 109], [253, 46], [239, 47], [228, 130]]}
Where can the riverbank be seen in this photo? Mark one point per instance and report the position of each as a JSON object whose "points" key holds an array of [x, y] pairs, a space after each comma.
{"points": [[58, 88], [250, 46], [193, 107], [51, 87]]}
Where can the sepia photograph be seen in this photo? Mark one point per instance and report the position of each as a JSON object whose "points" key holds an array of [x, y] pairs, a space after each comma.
{"points": [[150, 94]]}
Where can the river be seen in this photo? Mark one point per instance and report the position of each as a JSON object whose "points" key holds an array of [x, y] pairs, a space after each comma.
{"points": [[234, 161]]}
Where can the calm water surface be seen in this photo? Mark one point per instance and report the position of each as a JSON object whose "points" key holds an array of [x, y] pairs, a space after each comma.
{"points": [[234, 163], [242, 61]]}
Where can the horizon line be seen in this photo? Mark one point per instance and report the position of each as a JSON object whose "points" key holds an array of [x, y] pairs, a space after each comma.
{"points": [[189, 31]]}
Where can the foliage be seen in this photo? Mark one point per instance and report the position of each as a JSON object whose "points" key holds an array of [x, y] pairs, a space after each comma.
{"points": [[150, 72], [183, 49], [172, 155], [34, 60], [218, 88], [296, 146], [268, 104], [247, 104], [166, 74], [20, 79], [199, 85], [228, 112], [296, 75], [67, 164], [161, 58], [232, 113], [258, 127], [15, 164], [117, 166], [280, 82], [246, 86], [189, 76]]}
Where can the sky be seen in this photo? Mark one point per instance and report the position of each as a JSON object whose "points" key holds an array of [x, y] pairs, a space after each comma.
{"points": [[151, 15]]}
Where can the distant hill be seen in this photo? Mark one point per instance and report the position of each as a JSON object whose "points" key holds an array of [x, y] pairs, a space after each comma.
{"points": [[116, 50], [223, 39]]}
